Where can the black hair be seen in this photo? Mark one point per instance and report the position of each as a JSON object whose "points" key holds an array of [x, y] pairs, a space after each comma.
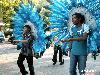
{"points": [[79, 15], [27, 26]]}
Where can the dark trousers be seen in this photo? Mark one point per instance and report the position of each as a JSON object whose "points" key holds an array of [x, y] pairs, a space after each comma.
{"points": [[29, 59], [56, 49]]}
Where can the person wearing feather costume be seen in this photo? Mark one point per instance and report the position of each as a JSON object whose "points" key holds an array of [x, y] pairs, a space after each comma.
{"points": [[28, 14], [57, 47], [79, 34], [26, 51], [61, 18]]}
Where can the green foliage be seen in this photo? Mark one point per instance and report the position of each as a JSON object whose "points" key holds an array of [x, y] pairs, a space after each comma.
{"points": [[6, 11], [7, 8]]}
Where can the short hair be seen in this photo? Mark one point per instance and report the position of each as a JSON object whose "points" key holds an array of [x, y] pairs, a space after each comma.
{"points": [[79, 15], [27, 26]]}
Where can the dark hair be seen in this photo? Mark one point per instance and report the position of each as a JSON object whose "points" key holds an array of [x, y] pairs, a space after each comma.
{"points": [[79, 15], [27, 26]]}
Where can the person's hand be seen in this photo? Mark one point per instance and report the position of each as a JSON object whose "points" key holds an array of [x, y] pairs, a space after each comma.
{"points": [[70, 39], [51, 45], [17, 41], [63, 40], [55, 38]]}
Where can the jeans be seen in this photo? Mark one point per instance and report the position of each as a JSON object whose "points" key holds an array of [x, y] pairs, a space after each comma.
{"points": [[81, 60], [29, 59]]}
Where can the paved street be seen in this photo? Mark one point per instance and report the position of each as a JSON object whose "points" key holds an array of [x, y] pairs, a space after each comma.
{"points": [[43, 66]]}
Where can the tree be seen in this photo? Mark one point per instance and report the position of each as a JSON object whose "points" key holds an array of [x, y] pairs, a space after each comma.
{"points": [[8, 8]]}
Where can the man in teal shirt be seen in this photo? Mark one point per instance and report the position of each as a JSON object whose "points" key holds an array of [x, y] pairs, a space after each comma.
{"points": [[78, 44]]}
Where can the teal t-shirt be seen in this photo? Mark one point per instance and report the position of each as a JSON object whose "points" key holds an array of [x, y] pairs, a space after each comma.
{"points": [[78, 47]]}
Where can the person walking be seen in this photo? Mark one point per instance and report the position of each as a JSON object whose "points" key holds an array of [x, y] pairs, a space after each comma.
{"points": [[57, 47], [78, 41], [26, 51]]}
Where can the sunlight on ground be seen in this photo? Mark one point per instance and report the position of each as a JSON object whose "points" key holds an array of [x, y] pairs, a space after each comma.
{"points": [[6, 58], [7, 46]]}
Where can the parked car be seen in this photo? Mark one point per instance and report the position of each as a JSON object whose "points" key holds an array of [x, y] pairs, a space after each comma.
{"points": [[2, 38]]}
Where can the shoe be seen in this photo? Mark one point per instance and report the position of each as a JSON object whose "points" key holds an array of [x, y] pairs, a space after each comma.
{"points": [[25, 73], [36, 55], [54, 63], [53, 60], [33, 73], [61, 63], [41, 54]]}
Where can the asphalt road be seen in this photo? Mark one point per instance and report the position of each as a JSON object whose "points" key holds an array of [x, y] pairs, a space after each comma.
{"points": [[43, 66]]}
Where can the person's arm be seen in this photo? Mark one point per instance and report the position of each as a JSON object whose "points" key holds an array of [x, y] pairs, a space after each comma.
{"points": [[23, 41], [30, 39], [85, 34], [84, 37]]}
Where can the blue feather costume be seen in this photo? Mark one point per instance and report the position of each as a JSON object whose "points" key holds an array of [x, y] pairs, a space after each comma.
{"points": [[28, 14], [60, 18]]}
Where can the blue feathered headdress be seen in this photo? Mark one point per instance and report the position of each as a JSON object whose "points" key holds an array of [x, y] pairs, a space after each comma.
{"points": [[61, 14], [28, 14]]}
